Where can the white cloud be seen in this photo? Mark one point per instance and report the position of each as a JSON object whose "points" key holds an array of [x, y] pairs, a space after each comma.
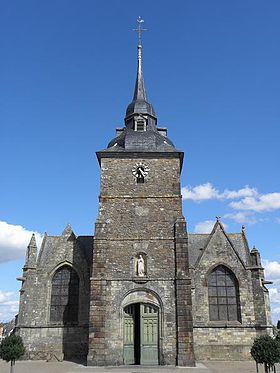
{"points": [[246, 199], [14, 240], [200, 192], [206, 226], [274, 295], [272, 269], [243, 192], [272, 272], [8, 305], [207, 191], [276, 313], [241, 217], [261, 203]]}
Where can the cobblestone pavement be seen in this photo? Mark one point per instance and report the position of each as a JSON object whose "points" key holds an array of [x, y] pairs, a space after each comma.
{"points": [[68, 367]]}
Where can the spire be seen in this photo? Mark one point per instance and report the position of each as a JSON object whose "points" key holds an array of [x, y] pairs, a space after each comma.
{"points": [[68, 233], [32, 241], [67, 230], [31, 253], [139, 104], [140, 132], [255, 257], [139, 90]]}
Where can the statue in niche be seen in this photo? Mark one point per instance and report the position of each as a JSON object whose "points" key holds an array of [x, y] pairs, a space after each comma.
{"points": [[141, 266]]}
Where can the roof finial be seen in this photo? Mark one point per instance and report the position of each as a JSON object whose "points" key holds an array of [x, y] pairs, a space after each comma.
{"points": [[139, 30], [139, 91]]}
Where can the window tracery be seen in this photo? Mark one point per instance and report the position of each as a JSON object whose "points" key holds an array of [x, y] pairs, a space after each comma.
{"points": [[223, 295]]}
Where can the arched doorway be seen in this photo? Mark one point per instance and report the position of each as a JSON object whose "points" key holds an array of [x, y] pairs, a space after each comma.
{"points": [[141, 334]]}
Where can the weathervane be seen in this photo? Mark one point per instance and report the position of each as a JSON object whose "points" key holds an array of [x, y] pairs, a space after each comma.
{"points": [[139, 29]]}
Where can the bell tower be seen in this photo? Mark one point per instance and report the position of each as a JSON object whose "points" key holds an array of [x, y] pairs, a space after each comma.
{"points": [[140, 301]]}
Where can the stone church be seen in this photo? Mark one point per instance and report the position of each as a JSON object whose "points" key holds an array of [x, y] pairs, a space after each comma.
{"points": [[142, 290]]}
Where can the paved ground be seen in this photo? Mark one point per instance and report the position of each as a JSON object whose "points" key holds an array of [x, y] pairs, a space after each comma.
{"points": [[67, 367]]}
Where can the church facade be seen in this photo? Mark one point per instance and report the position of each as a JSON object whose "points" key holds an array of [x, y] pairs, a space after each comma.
{"points": [[142, 290]]}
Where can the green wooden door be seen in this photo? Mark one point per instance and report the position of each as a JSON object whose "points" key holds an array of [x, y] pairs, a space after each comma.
{"points": [[128, 341], [149, 334]]}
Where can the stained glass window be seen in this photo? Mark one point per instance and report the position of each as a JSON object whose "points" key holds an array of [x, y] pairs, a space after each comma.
{"points": [[223, 295]]}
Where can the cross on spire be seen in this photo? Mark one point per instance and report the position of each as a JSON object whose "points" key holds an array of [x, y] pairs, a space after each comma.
{"points": [[139, 29]]}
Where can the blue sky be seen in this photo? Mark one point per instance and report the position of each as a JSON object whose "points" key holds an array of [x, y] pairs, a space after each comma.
{"points": [[67, 72]]}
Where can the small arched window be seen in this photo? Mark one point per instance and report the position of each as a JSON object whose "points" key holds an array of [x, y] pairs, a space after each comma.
{"points": [[65, 296], [223, 295]]}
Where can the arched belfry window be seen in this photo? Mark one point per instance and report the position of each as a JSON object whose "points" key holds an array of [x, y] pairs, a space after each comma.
{"points": [[223, 295], [65, 296]]}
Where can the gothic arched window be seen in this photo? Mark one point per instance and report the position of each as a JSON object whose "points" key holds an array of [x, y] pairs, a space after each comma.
{"points": [[223, 295], [65, 296]]}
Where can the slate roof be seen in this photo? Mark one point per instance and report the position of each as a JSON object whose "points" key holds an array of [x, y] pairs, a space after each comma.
{"points": [[240, 244], [47, 248], [197, 242], [140, 102], [51, 244], [149, 140]]}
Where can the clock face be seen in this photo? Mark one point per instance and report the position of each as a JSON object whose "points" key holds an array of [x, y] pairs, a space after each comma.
{"points": [[140, 170]]}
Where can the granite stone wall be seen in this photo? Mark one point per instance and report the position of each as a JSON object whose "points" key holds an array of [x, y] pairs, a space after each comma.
{"points": [[144, 219], [227, 340], [44, 339], [134, 218]]}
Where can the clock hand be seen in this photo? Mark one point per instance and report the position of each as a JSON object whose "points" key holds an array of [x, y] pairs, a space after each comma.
{"points": [[142, 172]]}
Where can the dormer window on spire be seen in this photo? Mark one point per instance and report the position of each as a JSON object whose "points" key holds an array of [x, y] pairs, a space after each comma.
{"points": [[140, 124]]}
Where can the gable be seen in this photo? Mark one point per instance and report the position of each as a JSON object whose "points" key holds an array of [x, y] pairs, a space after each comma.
{"points": [[220, 248]]}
